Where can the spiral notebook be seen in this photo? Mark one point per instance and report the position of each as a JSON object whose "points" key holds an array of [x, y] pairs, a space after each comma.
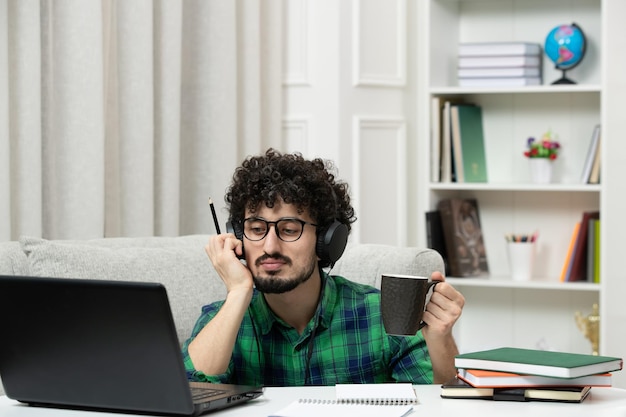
{"points": [[364, 400]]}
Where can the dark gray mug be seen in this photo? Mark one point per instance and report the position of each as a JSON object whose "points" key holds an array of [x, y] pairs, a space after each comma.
{"points": [[403, 302]]}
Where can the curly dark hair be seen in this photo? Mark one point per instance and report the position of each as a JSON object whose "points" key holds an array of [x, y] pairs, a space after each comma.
{"points": [[307, 184]]}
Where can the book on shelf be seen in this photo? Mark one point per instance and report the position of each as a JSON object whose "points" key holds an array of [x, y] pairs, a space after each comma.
{"points": [[434, 237], [538, 362], [456, 149], [447, 172], [493, 379], [594, 175], [446, 143], [457, 388], [435, 138], [465, 248], [365, 400], [500, 82], [567, 263], [468, 143], [509, 61], [591, 249], [499, 48], [578, 269], [596, 264], [591, 155], [499, 72]]}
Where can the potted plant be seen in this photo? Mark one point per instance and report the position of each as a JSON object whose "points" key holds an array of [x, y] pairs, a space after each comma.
{"points": [[540, 154]]}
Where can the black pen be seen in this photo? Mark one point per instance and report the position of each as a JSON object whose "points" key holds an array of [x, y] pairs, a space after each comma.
{"points": [[217, 224]]}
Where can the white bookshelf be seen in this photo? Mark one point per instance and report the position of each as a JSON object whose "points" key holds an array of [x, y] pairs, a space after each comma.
{"points": [[540, 312]]}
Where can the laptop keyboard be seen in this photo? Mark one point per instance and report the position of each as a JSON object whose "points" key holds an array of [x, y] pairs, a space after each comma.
{"points": [[198, 393]]}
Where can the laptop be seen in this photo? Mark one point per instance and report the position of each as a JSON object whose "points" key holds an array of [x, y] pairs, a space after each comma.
{"points": [[99, 345]]}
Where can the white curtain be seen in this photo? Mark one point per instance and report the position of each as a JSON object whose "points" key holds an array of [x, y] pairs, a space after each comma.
{"points": [[122, 117]]}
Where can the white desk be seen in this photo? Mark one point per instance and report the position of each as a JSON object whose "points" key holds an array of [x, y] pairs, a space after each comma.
{"points": [[602, 402]]}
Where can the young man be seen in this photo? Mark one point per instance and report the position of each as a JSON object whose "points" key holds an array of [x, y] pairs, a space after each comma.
{"points": [[285, 321]]}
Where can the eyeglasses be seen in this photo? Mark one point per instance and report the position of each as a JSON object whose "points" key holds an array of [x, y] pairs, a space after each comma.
{"points": [[288, 229]]}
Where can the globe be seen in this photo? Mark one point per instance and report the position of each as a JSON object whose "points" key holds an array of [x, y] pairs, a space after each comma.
{"points": [[565, 46]]}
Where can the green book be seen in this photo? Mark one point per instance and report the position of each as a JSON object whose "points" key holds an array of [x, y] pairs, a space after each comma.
{"points": [[469, 142], [538, 362]]}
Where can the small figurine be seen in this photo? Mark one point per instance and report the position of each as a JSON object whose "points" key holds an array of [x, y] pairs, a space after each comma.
{"points": [[590, 327]]}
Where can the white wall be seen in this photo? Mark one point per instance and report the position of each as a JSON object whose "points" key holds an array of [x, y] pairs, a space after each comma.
{"points": [[346, 98]]}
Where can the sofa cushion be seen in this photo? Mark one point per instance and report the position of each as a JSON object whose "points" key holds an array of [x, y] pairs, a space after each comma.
{"points": [[365, 263], [12, 259], [180, 264]]}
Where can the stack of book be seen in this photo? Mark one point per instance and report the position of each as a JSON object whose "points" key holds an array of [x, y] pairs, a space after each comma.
{"points": [[514, 374], [502, 64]]}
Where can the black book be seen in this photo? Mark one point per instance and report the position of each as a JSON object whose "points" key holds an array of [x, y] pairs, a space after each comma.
{"points": [[457, 388], [434, 236], [466, 252]]}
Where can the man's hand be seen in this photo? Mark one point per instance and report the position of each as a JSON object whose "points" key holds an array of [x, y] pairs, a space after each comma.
{"points": [[212, 347], [444, 308], [442, 312], [222, 250]]}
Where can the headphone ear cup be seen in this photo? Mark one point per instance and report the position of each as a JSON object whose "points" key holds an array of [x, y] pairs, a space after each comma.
{"points": [[236, 229], [331, 242]]}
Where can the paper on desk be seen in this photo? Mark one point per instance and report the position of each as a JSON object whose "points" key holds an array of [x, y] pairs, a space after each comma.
{"points": [[363, 400], [330, 408], [392, 393]]}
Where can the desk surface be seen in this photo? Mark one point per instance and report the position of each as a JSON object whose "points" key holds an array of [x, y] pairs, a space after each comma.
{"points": [[602, 402]]}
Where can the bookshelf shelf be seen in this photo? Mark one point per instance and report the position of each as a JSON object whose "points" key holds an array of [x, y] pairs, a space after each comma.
{"points": [[565, 188], [542, 89], [506, 282], [500, 311]]}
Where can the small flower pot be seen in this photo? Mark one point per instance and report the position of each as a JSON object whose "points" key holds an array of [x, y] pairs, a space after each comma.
{"points": [[540, 170]]}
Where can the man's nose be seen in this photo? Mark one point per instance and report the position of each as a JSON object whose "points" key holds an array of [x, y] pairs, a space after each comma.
{"points": [[271, 240]]}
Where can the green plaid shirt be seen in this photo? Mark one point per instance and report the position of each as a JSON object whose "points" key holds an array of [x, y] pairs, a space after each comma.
{"points": [[349, 345]]}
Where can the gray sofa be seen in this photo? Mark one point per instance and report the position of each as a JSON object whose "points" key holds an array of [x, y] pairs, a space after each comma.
{"points": [[181, 264]]}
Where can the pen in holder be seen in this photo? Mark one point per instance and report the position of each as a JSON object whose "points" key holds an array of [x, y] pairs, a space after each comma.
{"points": [[521, 251]]}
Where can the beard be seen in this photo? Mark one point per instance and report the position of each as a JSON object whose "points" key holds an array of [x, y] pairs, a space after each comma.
{"points": [[272, 284]]}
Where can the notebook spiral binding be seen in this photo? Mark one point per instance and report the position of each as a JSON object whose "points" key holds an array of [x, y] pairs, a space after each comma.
{"points": [[368, 401]]}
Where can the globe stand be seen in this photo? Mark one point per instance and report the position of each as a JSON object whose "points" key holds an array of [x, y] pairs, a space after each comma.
{"points": [[563, 79]]}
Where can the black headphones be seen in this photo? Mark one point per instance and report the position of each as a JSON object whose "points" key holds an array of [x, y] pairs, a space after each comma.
{"points": [[331, 241]]}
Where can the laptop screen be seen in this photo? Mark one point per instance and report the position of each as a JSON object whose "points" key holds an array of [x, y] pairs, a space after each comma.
{"points": [[91, 343]]}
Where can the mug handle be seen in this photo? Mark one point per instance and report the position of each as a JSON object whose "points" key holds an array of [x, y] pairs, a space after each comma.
{"points": [[431, 287]]}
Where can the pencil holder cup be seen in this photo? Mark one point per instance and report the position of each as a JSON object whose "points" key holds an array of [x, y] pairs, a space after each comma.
{"points": [[521, 260]]}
